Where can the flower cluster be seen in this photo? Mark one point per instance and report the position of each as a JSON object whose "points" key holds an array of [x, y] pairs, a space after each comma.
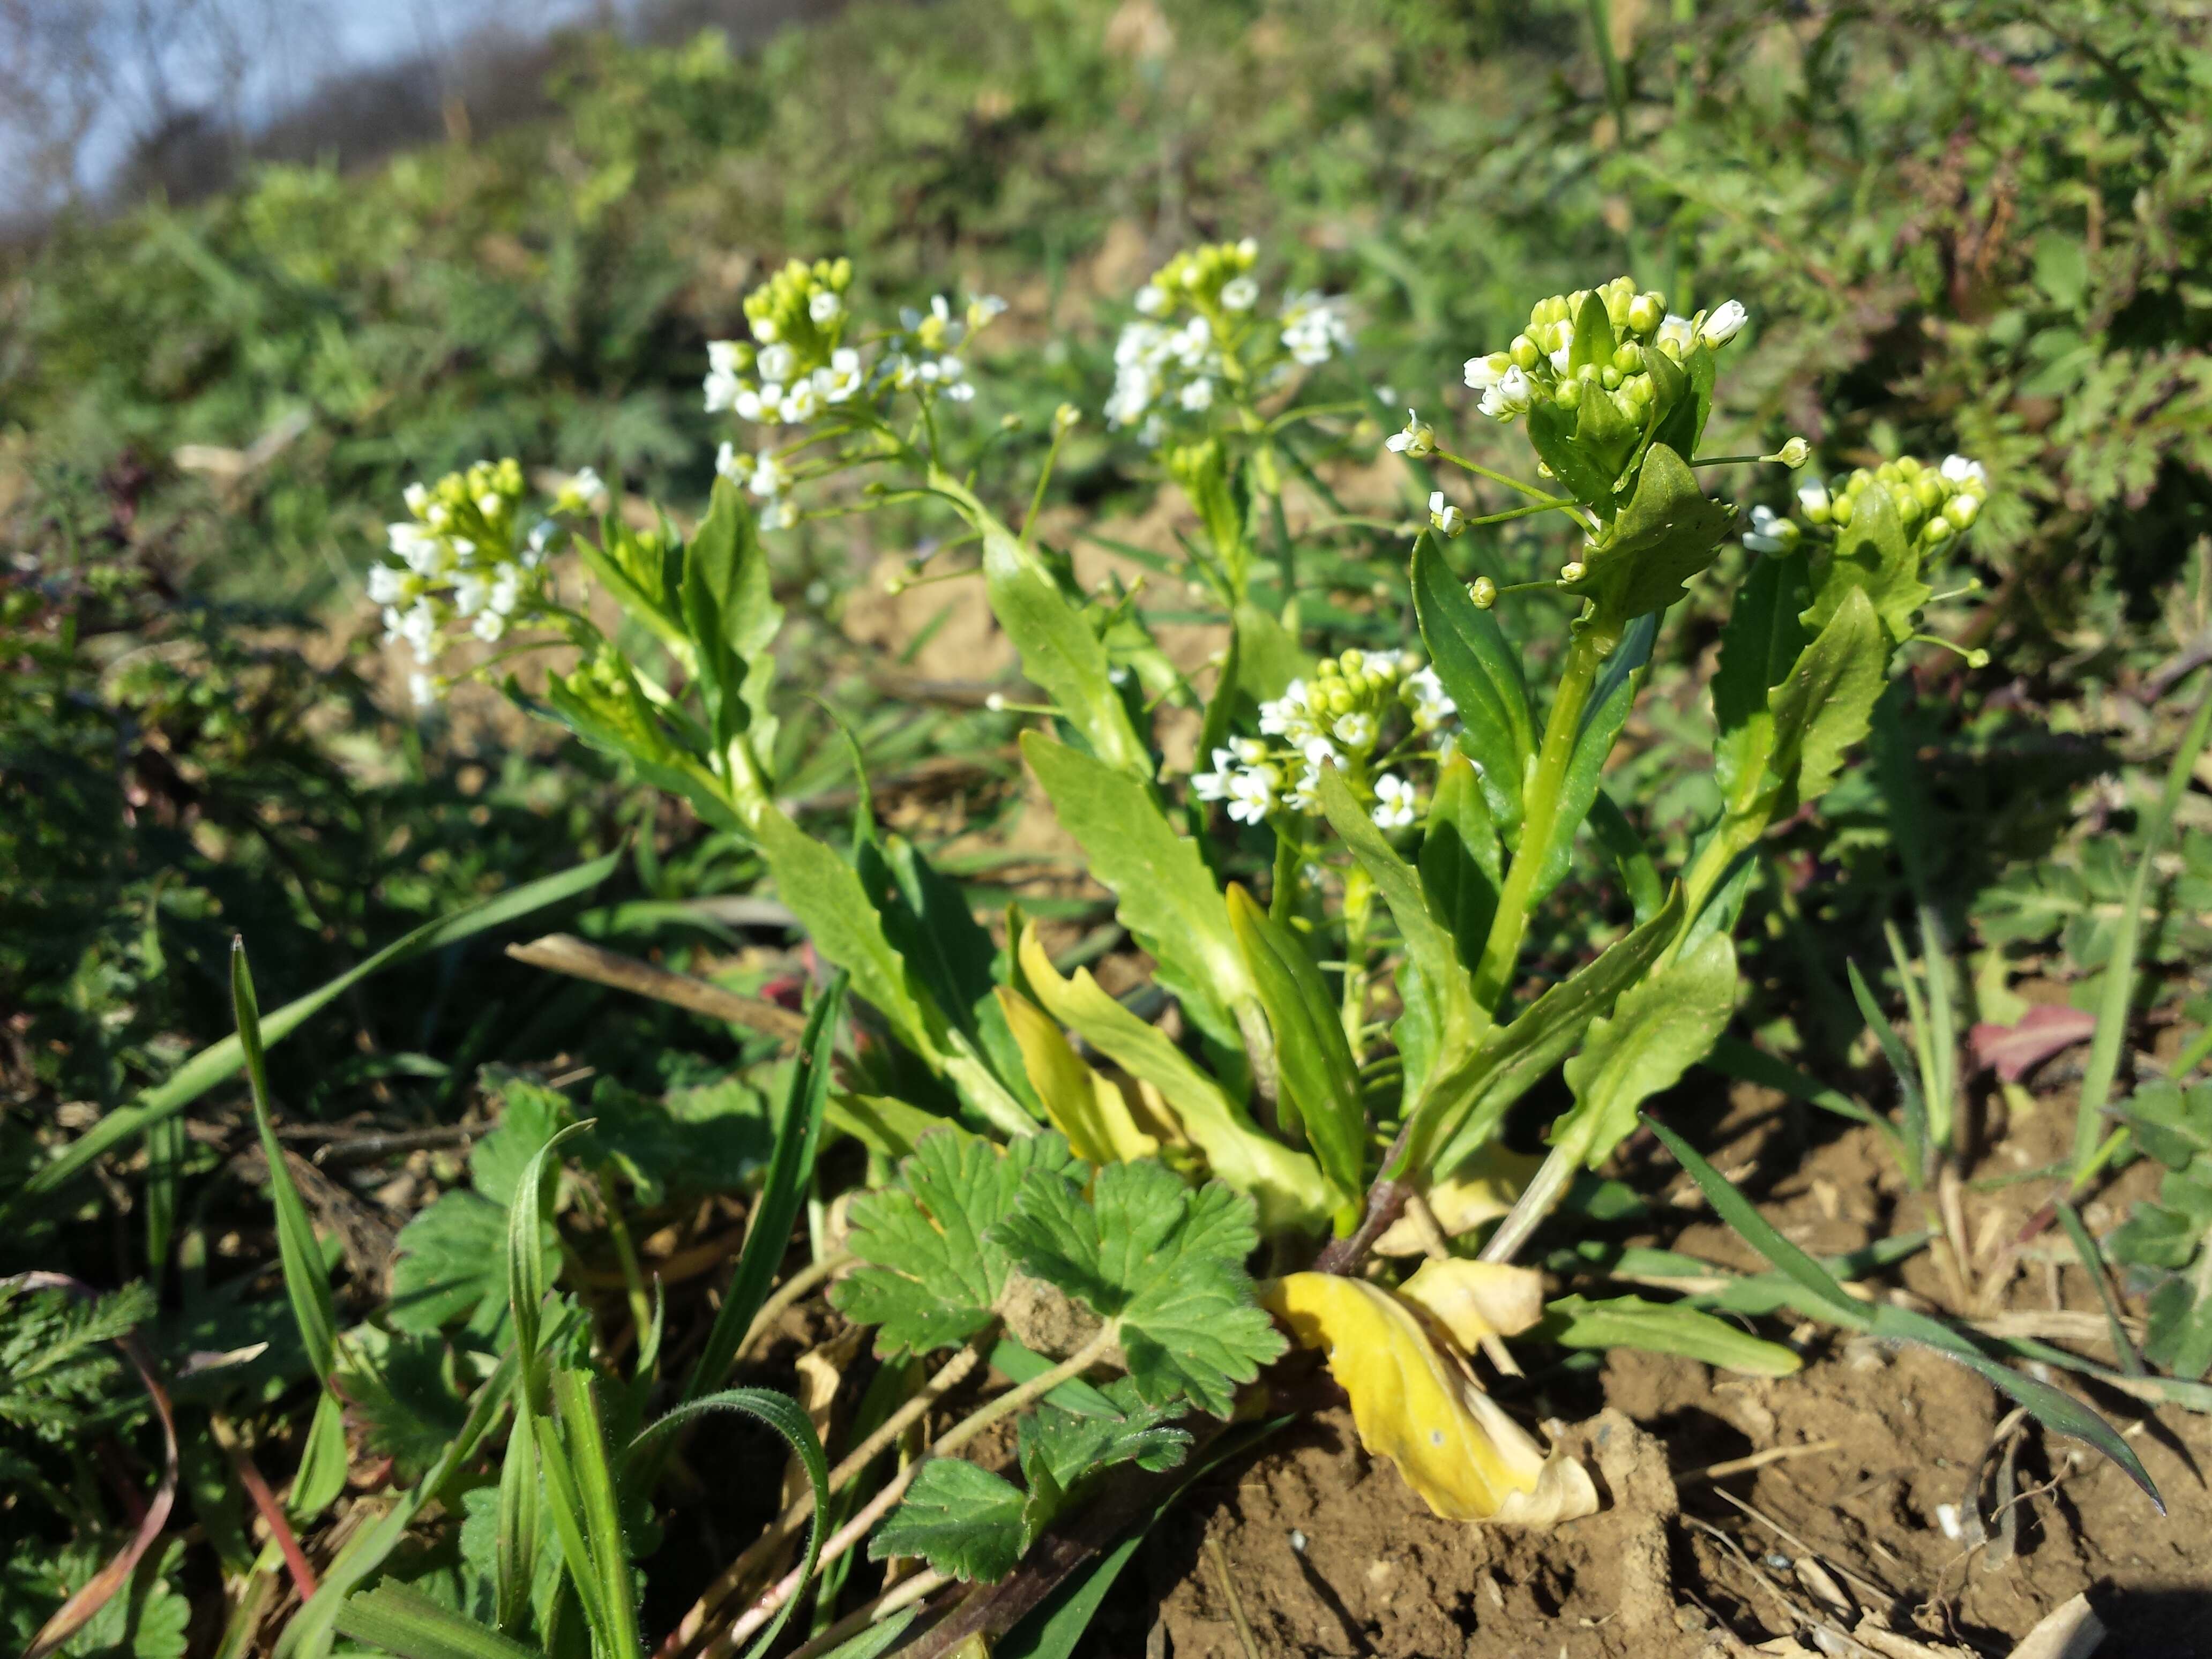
{"points": [[463, 558], [1198, 332], [1541, 361], [1341, 718], [1934, 503]]}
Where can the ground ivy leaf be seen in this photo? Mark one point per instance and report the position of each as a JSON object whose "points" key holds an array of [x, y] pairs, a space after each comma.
{"points": [[1166, 1262], [932, 1271], [451, 1266], [963, 1521]]}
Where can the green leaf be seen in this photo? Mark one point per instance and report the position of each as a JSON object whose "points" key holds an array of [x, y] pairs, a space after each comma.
{"points": [[405, 1622], [634, 567], [1657, 1031], [1215, 490], [1821, 710], [790, 1177], [1073, 1445], [1163, 1264], [2174, 1124], [1914, 1106], [1552, 433], [1630, 1322], [1667, 533], [785, 1416], [1578, 789], [306, 1282], [1288, 1184], [934, 1271], [449, 1267], [1592, 341], [1320, 1080], [2179, 1333], [1461, 1107], [1478, 668], [694, 1143], [727, 560], [221, 1060], [965, 1520], [1167, 897], [1059, 651], [1875, 557], [1762, 642], [1640, 876]]}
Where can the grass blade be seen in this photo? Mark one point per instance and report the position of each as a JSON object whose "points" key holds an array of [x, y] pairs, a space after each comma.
{"points": [[221, 1060], [1732, 1057], [584, 1438], [790, 1167], [2093, 1263], [1733, 1207], [2104, 1062], [405, 1622], [785, 1416], [1914, 1142]]}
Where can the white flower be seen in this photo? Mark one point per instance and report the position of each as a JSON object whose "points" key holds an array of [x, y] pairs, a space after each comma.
{"points": [[489, 626], [1319, 752], [728, 464], [981, 308], [423, 688], [585, 487], [725, 390], [388, 585], [1239, 294], [424, 554], [802, 403], [1416, 440], [1152, 299], [1250, 751], [777, 363], [1287, 715], [722, 356], [1134, 388], [844, 376], [1197, 395], [1432, 704], [824, 306], [1214, 784], [1677, 332], [1770, 532], [1723, 324], [1562, 359], [1960, 470], [780, 514], [769, 478], [1251, 794], [765, 329], [417, 498], [1354, 731], [418, 626], [1191, 343], [470, 593], [1313, 330], [489, 502], [506, 595], [1510, 397], [1394, 802], [1812, 500], [1446, 517]]}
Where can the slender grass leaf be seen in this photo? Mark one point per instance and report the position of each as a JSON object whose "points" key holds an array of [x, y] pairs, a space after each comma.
{"points": [[1915, 1109], [783, 1190], [1630, 1322], [407, 1623], [2093, 1263], [221, 1060]]}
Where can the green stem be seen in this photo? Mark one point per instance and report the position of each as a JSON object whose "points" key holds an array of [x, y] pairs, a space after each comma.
{"points": [[1482, 472], [1540, 817], [2103, 1065], [641, 1303]]}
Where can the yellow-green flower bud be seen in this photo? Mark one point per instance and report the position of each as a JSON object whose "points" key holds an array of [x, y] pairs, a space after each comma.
{"points": [[1962, 510], [1628, 357], [1936, 530], [1525, 353], [1930, 491], [1842, 507], [1569, 394], [1609, 378], [1483, 591], [1793, 454], [1646, 312], [1573, 571]]}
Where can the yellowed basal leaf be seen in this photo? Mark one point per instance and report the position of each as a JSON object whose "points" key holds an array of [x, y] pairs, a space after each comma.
{"points": [[1482, 1189], [1082, 1105], [1412, 1404], [1473, 1300]]}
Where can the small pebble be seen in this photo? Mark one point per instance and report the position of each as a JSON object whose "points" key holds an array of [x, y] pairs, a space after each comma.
{"points": [[1298, 1541]]}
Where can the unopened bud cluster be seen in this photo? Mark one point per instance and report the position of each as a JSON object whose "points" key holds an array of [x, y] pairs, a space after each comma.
{"points": [[1540, 362], [464, 562], [1198, 334], [1364, 713], [1934, 502]]}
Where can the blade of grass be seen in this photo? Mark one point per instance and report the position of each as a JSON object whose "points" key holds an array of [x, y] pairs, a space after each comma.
{"points": [[407, 1623], [221, 1060], [584, 1438], [2112, 1008], [2056, 1410], [1733, 1057], [1914, 1140], [790, 1167], [785, 1416], [2093, 1263]]}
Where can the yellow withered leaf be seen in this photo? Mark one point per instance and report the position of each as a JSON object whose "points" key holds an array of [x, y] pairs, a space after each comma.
{"points": [[1476, 1299], [1482, 1189], [1082, 1105], [1412, 1404]]}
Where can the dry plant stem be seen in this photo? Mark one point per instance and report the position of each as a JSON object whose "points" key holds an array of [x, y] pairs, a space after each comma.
{"points": [[949, 1377], [880, 1505], [1244, 1637], [793, 1291], [904, 1594], [564, 953], [1758, 1460]]}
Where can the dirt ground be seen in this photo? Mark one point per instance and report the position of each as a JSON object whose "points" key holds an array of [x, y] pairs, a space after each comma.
{"points": [[1865, 1505]]}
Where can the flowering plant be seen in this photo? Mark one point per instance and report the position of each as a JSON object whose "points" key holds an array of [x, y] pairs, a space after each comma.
{"points": [[1345, 1066]]}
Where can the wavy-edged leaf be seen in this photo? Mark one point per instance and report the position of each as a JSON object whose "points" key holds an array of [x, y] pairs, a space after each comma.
{"points": [[1059, 650], [1657, 1031], [1873, 557], [1163, 1264], [1669, 532]]}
